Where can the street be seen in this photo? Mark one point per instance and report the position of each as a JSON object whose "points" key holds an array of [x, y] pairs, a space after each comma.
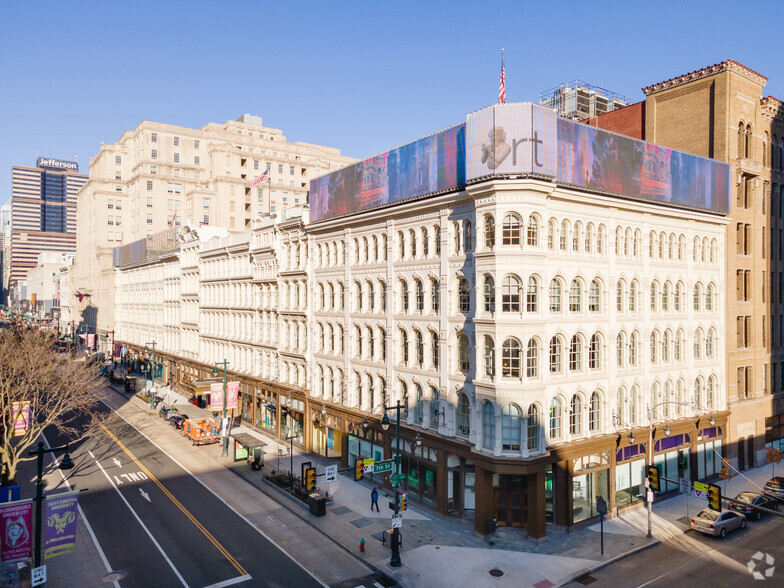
{"points": [[154, 520], [694, 559]]}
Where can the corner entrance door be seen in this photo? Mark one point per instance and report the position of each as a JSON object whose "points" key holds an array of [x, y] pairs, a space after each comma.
{"points": [[509, 501]]}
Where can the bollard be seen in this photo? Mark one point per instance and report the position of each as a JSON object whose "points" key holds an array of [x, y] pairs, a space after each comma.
{"points": [[362, 545]]}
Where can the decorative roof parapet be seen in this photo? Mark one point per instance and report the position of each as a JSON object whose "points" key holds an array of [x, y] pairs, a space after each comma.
{"points": [[705, 72], [772, 108]]}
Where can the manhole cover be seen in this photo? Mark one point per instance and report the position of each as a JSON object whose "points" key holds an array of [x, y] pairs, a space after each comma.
{"points": [[585, 580], [495, 572]]}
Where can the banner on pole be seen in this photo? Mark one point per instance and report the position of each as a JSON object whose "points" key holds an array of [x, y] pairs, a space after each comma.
{"points": [[16, 524], [20, 414], [216, 396], [60, 532], [232, 395], [90, 340]]}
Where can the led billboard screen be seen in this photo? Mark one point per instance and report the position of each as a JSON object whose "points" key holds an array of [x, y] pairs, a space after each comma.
{"points": [[599, 160], [430, 164]]}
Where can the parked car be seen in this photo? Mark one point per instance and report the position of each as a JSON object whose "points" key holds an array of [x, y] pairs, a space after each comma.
{"points": [[718, 524], [775, 488], [177, 420], [167, 412], [753, 498]]}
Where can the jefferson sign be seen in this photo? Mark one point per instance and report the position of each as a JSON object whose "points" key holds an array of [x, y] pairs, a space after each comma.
{"points": [[58, 164]]}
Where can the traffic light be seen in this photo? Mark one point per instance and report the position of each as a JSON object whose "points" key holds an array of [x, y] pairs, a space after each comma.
{"points": [[310, 479], [714, 497], [358, 472], [652, 472], [403, 501]]}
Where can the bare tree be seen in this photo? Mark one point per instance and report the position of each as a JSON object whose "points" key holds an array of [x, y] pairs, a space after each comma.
{"points": [[58, 390]]}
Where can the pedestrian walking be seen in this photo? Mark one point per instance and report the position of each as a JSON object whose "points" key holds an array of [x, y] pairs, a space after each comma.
{"points": [[374, 499]]}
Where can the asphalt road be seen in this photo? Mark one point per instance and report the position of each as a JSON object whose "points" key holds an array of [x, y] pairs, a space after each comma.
{"points": [[695, 560], [164, 528]]}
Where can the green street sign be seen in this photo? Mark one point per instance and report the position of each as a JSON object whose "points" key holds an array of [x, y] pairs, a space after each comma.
{"points": [[383, 466]]}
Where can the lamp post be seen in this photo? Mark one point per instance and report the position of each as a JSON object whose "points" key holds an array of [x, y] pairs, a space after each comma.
{"points": [[65, 464], [224, 432], [152, 395], [651, 411], [145, 369], [290, 438], [395, 560]]}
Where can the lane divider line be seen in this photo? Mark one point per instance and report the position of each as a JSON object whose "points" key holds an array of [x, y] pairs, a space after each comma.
{"points": [[178, 504], [146, 530], [229, 582]]}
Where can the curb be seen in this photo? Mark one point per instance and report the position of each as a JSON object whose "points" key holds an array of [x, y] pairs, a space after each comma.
{"points": [[611, 561]]}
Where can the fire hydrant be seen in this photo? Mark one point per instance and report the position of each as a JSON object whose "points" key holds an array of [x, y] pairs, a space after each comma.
{"points": [[362, 545]]}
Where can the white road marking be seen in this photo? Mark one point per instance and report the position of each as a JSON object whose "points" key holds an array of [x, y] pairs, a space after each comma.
{"points": [[91, 454], [146, 530], [231, 582], [230, 507], [117, 462], [84, 518], [147, 496]]}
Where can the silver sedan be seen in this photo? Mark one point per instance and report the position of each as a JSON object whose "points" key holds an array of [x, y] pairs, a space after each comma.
{"points": [[718, 524]]}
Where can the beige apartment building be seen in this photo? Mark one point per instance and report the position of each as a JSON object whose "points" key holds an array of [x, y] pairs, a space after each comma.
{"points": [[159, 175], [720, 112]]}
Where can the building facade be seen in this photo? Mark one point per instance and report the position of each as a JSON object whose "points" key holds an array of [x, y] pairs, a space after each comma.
{"points": [[43, 213], [159, 175], [535, 331], [720, 112]]}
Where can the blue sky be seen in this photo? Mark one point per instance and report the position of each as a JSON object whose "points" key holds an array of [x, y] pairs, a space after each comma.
{"points": [[360, 76]]}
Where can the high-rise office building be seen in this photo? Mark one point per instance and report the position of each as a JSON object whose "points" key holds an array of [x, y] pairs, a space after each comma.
{"points": [[43, 213]]}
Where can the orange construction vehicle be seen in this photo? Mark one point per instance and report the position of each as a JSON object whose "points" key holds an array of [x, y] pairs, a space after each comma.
{"points": [[201, 431]]}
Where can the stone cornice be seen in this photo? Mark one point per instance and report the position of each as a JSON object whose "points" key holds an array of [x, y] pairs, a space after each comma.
{"points": [[705, 72]]}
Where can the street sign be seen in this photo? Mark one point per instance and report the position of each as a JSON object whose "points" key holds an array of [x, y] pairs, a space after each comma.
{"points": [[367, 465], [395, 479], [331, 474], [39, 575], [650, 496], [685, 486], [383, 466], [397, 521]]}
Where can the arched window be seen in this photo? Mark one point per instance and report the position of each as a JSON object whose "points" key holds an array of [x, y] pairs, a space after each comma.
{"points": [[709, 298], [435, 295], [358, 341], [698, 394], [533, 231], [419, 405], [575, 296], [620, 405], [600, 238], [594, 296], [654, 296], [419, 291], [556, 412], [489, 294], [512, 230], [575, 354], [619, 296], [665, 347], [532, 359], [594, 413], [710, 341], [331, 333], [697, 296], [563, 235], [463, 414], [654, 347], [456, 226], [402, 243], [359, 296], [463, 296], [633, 396], [331, 297], [665, 297], [371, 297], [556, 351], [633, 297], [589, 238], [488, 425], [463, 356], [489, 353], [413, 238], [425, 243], [676, 299], [467, 240], [620, 344], [420, 347], [533, 427], [322, 297], [403, 296], [321, 337], [489, 231], [434, 348], [710, 393], [510, 427], [552, 227], [511, 359], [375, 248], [511, 294], [555, 295], [576, 236], [371, 343], [698, 344], [742, 149], [575, 416], [677, 345], [532, 295], [403, 346], [633, 343], [594, 352]]}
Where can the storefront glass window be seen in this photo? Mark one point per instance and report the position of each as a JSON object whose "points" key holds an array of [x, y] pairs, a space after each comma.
{"points": [[247, 408], [629, 482], [585, 490]]}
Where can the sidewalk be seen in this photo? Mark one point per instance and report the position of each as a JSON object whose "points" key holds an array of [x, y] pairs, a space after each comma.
{"points": [[437, 552]]}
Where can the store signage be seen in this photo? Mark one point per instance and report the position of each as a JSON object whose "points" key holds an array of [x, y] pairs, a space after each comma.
{"points": [[48, 162]]}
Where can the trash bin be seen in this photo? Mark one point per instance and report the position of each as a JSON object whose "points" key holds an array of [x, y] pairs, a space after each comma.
{"points": [[317, 505]]}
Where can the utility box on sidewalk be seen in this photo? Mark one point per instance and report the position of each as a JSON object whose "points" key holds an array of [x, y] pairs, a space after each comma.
{"points": [[317, 505]]}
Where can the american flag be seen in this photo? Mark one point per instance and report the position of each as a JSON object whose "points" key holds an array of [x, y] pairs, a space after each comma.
{"points": [[264, 177], [502, 83]]}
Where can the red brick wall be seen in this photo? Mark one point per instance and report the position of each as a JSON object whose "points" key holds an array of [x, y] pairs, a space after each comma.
{"points": [[628, 121]]}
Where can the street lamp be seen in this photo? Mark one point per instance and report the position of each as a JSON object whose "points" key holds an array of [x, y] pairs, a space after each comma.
{"points": [[65, 464], [294, 434], [224, 432], [395, 560], [651, 412], [152, 395]]}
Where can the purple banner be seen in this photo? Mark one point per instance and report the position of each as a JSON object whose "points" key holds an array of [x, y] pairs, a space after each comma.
{"points": [[16, 523], [60, 524], [216, 396], [20, 414], [232, 395]]}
